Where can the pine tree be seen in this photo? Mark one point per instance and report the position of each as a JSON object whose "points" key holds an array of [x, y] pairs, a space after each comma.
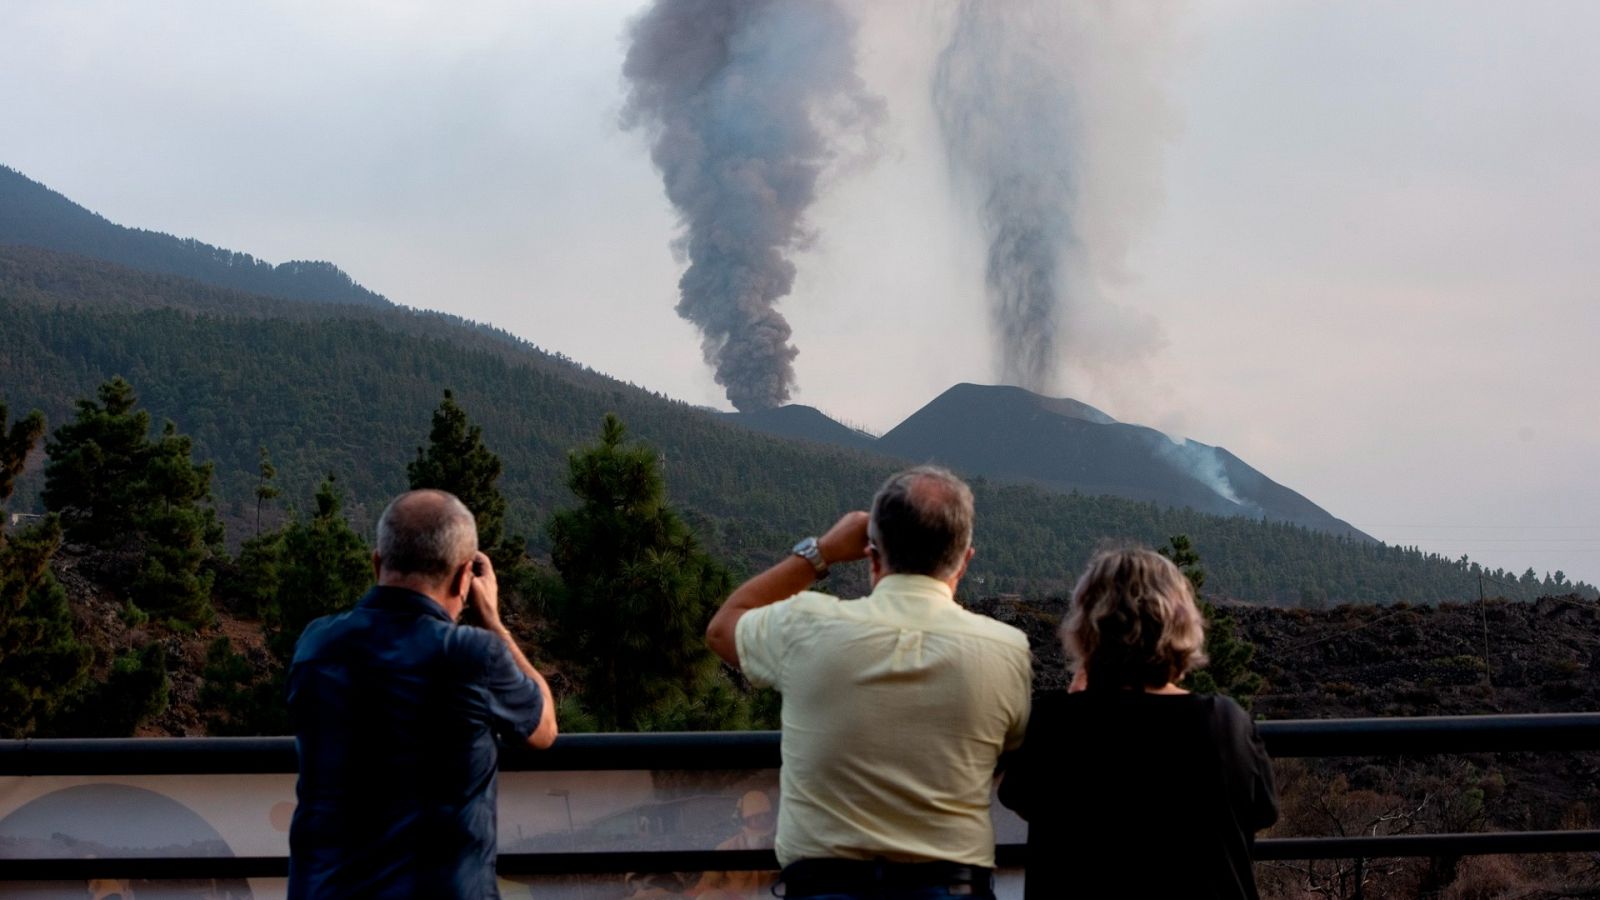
{"points": [[115, 489], [94, 478], [457, 461], [1228, 672], [41, 661], [265, 489], [323, 568], [252, 580], [15, 445], [136, 690], [292, 575], [637, 591], [178, 532]]}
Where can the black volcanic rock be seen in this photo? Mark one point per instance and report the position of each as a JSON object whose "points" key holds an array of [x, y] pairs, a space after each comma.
{"points": [[803, 422], [1011, 433]]}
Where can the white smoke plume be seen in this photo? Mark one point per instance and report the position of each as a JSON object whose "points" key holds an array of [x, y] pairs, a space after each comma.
{"points": [[745, 102], [1203, 463], [1054, 119]]}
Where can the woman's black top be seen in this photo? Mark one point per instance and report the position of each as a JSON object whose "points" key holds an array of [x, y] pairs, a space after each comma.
{"points": [[1129, 794]]}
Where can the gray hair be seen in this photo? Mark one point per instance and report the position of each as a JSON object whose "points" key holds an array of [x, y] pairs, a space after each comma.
{"points": [[922, 522], [426, 532]]}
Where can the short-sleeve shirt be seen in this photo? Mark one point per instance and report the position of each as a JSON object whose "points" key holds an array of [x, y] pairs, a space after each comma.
{"points": [[1162, 794], [896, 708], [396, 710]]}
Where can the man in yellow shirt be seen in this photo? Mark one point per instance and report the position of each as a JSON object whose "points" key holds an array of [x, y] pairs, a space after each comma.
{"points": [[896, 707]]}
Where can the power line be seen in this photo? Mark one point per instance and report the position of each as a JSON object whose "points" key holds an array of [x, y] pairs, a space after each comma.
{"points": [[1325, 638]]}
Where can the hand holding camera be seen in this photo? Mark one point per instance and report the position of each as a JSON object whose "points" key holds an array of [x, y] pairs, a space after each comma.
{"points": [[483, 595]]}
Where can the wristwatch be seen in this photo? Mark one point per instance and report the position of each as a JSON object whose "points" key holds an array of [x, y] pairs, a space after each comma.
{"points": [[809, 551]]}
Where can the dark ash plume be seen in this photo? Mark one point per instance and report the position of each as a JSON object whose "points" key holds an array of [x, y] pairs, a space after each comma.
{"points": [[1053, 117], [739, 98]]}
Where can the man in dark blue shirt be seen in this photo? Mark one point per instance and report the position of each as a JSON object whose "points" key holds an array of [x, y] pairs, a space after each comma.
{"points": [[396, 709]]}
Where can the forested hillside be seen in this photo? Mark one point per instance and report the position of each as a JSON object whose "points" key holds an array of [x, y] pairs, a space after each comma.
{"points": [[32, 214], [347, 391]]}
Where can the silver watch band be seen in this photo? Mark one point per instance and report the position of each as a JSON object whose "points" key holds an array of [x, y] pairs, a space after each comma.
{"points": [[811, 552]]}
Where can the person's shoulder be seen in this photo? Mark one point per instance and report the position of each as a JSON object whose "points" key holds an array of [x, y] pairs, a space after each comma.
{"points": [[1054, 702], [995, 630], [1056, 716], [323, 633], [808, 603], [1225, 714], [1223, 707], [468, 646]]}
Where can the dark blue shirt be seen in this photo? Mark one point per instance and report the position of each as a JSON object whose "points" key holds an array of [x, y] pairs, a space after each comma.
{"points": [[396, 710]]}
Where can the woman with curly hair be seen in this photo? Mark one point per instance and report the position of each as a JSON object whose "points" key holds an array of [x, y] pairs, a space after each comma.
{"points": [[1133, 786]]}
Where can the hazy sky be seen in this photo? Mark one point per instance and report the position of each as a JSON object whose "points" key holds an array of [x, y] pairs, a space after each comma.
{"points": [[1358, 244]]}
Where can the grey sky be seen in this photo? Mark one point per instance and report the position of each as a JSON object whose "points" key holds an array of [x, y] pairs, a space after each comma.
{"points": [[1366, 256]]}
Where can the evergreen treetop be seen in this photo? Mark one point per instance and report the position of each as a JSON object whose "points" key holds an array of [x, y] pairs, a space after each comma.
{"points": [[41, 661], [457, 461], [116, 489], [1228, 671], [638, 592], [94, 477], [15, 445], [323, 568]]}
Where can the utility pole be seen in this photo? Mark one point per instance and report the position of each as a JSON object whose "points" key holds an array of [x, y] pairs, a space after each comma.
{"points": [[1483, 610]]}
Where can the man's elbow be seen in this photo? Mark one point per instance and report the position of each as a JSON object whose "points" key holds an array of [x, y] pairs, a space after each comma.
{"points": [[544, 735], [720, 638]]}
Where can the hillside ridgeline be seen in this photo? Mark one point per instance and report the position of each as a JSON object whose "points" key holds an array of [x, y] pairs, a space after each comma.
{"points": [[346, 390], [34, 215]]}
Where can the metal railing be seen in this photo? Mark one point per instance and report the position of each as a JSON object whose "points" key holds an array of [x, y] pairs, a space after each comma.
{"points": [[709, 751]]}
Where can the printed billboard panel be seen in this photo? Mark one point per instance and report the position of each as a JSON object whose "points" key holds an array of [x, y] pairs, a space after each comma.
{"points": [[86, 817]]}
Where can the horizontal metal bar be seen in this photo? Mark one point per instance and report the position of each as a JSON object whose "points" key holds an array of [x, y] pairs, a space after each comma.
{"points": [[163, 868], [1006, 856], [1545, 732], [697, 750], [1400, 845], [1423, 735], [639, 861], [148, 756]]}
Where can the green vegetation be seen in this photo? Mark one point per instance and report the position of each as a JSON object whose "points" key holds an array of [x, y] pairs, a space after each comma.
{"points": [[1228, 671], [345, 390], [265, 490], [637, 594], [456, 461], [136, 690], [322, 567], [31, 213], [303, 570], [41, 661], [117, 490]]}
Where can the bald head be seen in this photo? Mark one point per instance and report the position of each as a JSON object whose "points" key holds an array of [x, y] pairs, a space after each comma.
{"points": [[426, 535], [922, 522]]}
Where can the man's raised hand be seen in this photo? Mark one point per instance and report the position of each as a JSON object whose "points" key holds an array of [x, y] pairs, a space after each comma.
{"points": [[846, 541], [484, 595]]}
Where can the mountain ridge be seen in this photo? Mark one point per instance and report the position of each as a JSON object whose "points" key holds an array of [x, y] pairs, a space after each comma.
{"points": [[1065, 445], [32, 214], [347, 389]]}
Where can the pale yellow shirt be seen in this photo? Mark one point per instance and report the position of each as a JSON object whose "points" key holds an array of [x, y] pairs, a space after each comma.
{"points": [[895, 709]]}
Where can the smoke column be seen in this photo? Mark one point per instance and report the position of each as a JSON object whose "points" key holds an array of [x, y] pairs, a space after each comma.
{"points": [[745, 102], [1054, 119]]}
